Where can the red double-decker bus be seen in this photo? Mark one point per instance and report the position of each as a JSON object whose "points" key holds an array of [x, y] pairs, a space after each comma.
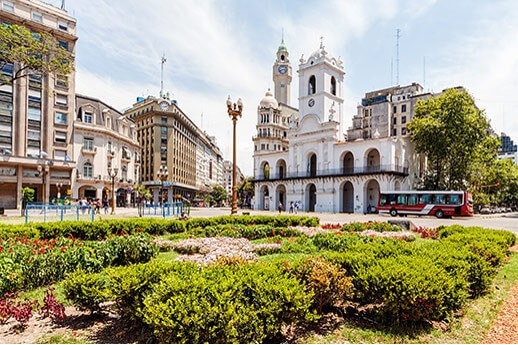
{"points": [[425, 203]]}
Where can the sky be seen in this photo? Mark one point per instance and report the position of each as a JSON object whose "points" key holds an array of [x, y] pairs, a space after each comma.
{"points": [[227, 47]]}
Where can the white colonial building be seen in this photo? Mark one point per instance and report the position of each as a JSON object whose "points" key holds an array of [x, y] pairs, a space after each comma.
{"points": [[104, 139], [304, 156]]}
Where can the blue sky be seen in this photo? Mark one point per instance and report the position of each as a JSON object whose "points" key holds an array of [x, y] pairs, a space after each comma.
{"points": [[217, 48]]}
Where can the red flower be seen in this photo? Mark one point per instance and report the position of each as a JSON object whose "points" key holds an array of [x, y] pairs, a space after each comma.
{"points": [[63, 249], [1, 249]]}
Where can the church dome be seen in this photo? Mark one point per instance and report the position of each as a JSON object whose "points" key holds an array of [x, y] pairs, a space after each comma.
{"points": [[269, 101]]}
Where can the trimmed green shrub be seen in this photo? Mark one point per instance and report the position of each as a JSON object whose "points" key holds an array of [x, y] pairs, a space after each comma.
{"points": [[250, 232], [409, 289], [86, 290], [376, 226], [226, 304]]}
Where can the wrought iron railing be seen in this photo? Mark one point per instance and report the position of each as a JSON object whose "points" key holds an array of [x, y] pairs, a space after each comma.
{"points": [[375, 169]]}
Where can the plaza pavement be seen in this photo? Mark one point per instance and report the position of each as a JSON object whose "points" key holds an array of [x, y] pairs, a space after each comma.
{"points": [[507, 221]]}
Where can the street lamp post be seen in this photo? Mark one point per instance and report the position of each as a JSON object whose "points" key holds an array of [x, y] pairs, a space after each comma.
{"points": [[162, 174], [235, 110], [43, 170], [113, 173]]}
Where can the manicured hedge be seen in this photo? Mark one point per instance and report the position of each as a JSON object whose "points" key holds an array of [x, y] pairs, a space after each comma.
{"points": [[250, 232], [185, 303], [29, 263], [376, 226], [102, 229]]}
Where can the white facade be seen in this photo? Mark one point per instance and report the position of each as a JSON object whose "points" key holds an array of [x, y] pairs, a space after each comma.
{"points": [[209, 162], [320, 170], [103, 139]]}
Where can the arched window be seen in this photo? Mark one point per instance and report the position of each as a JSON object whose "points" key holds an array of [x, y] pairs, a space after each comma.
{"points": [[312, 85], [313, 165], [124, 173], [282, 57], [88, 170], [333, 86]]}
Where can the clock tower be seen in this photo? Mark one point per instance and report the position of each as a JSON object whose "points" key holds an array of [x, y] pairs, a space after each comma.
{"points": [[282, 75]]}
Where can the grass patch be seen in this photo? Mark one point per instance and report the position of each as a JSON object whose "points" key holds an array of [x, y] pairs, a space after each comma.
{"points": [[167, 256], [39, 294], [61, 339], [469, 328]]}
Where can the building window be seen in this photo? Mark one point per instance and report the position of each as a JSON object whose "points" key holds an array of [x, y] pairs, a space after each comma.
{"points": [[403, 119], [8, 5], [88, 144], [333, 86], [88, 117], [61, 99], [63, 44], [60, 155], [62, 26], [394, 109], [164, 119], [394, 132], [394, 120], [61, 118], [62, 80], [88, 170], [403, 108], [60, 137], [312, 85], [37, 16], [403, 131]]}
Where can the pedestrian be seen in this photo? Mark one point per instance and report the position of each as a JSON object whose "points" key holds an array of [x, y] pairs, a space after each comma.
{"points": [[296, 207], [105, 205], [280, 207], [291, 206], [98, 206]]}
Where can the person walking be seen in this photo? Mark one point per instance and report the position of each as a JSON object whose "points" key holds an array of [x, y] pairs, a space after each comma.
{"points": [[105, 205], [291, 206], [296, 207], [280, 207]]}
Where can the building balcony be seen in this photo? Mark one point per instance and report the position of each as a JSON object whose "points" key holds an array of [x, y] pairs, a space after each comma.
{"points": [[368, 170], [89, 150]]}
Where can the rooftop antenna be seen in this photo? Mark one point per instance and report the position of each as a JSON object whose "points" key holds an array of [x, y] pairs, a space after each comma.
{"points": [[62, 4], [398, 36], [282, 35], [162, 62], [391, 71], [321, 42]]}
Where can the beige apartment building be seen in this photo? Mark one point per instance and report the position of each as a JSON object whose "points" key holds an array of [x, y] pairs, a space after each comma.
{"points": [[36, 113], [106, 151], [167, 137]]}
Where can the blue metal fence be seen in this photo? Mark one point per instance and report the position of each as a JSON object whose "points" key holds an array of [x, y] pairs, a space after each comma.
{"points": [[58, 212], [174, 209]]}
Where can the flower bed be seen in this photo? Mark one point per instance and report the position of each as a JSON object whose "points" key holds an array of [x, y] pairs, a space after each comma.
{"points": [[211, 249], [29, 263]]}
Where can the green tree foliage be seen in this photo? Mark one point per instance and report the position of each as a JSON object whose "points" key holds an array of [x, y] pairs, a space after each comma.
{"points": [[245, 189], [449, 130], [31, 52], [27, 196], [218, 193], [144, 194]]}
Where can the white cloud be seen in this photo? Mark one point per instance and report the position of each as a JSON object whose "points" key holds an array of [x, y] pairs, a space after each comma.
{"points": [[211, 55]]}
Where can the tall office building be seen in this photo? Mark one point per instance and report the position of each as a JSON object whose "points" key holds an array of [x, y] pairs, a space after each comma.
{"points": [[36, 112]]}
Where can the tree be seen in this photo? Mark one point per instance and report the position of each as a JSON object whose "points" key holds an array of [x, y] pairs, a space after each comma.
{"points": [[218, 193], [245, 190], [30, 52], [449, 130], [27, 196], [144, 195]]}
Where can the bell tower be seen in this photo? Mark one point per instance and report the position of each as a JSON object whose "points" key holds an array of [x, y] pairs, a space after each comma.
{"points": [[282, 74]]}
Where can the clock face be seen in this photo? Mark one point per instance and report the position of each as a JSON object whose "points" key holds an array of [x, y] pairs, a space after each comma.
{"points": [[311, 102], [283, 69], [164, 106]]}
